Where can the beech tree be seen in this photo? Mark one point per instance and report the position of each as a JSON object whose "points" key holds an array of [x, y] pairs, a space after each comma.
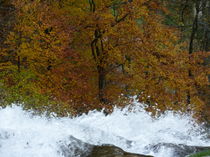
{"points": [[83, 55]]}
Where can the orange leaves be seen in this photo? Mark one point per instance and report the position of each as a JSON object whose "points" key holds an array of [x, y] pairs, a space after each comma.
{"points": [[198, 68], [80, 52]]}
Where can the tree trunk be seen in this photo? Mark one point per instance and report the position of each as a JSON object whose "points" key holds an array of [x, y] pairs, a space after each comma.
{"points": [[99, 57], [18, 64], [191, 45], [101, 84]]}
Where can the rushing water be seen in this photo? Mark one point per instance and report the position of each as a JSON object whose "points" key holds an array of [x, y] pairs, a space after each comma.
{"points": [[24, 135]]}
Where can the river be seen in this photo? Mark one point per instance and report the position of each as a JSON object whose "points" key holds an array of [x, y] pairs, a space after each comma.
{"points": [[23, 134]]}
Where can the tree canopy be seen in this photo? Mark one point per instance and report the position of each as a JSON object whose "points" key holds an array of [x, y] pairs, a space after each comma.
{"points": [[75, 56]]}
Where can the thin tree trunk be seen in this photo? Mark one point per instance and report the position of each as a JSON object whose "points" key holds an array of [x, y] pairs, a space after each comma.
{"points": [[98, 55], [101, 84], [18, 64], [191, 45]]}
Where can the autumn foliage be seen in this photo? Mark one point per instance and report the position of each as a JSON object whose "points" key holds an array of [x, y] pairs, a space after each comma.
{"points": [[74, 56]]}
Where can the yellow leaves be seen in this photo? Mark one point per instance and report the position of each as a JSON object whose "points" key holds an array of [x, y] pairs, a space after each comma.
{"points": [[6, 66], [201, 79], [56, 40], [198, 105], [143, 11]]}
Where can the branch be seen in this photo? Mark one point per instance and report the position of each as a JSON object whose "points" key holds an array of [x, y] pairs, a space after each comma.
{"points": [[182, 13], [120, 20], [92, 48]]}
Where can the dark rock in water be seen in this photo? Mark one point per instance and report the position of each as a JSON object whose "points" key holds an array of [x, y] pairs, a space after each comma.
{"points": [[128, 142], [179, 150], [111, 151], [5, 134], [74, 147]]}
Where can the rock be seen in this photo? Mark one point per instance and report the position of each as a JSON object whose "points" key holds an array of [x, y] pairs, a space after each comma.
{"points": [[5, 134], [111, 151], [74, 147], [180, 150]]}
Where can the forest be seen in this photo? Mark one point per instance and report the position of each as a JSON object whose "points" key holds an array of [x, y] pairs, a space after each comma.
{"points": [[73, 56]]}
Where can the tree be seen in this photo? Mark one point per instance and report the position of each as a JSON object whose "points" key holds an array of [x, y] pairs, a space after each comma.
{"points": [[192, 20], [83, 55]]}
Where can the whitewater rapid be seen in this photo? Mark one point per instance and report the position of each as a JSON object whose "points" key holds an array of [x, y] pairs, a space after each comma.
{"points": [[23, 134]]}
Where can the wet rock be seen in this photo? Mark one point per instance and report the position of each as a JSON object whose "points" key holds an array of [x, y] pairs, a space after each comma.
{"points": [[5, 134], [179, 150], [111, 151], [74, 147]]}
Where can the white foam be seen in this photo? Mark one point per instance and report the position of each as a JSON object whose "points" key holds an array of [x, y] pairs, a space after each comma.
{"points": [[22, 134]]}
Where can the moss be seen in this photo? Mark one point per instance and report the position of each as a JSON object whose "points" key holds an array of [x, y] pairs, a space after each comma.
{"points": [[201, 154]]}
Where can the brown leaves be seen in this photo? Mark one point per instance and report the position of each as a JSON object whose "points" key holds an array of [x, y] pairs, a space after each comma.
{"points": [[68, 47]]}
